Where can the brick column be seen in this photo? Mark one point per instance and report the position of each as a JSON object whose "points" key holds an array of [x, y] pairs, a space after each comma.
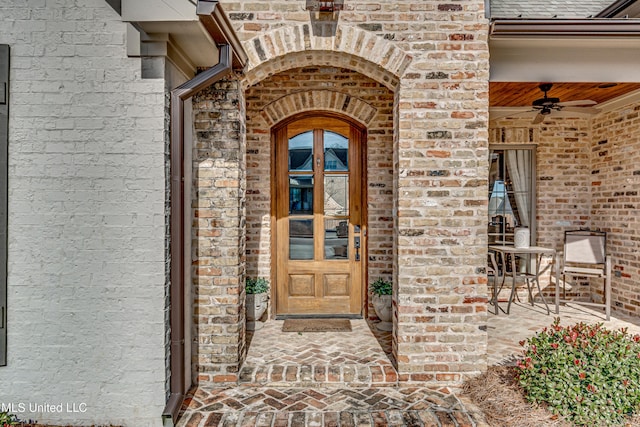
{"points": [[441, 201], [441, 294], [219, 232]]}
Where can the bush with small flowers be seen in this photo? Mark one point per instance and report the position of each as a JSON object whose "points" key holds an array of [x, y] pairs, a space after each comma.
{"points": [[585, 373]]}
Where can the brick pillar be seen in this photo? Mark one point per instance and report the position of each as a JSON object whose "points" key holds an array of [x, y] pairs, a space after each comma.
{"points": [[441, 294], [440, 196], [219, 182]]}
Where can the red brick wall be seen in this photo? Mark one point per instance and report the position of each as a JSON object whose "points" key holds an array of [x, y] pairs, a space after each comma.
{"points": [[588, 176], [562, 176], [316, 82], [615, 203], [433, 57]]}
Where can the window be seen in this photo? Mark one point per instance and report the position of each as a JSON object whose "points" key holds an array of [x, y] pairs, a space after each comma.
{"points": [[511, 192]]}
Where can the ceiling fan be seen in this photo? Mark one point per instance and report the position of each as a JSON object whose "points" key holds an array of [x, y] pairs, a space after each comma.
{"points": [[545, 105]]}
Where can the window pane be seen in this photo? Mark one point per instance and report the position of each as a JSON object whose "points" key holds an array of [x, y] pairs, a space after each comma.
{"points": [[336, 195], [301, 239], [336, 239], [510, 193], [301, 152], [336, 152], [300, 194]]}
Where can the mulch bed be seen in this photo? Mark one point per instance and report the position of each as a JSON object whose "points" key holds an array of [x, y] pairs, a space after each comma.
{"points": [[497, 394]]}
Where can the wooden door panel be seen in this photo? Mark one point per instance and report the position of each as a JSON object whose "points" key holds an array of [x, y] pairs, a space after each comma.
{"points": [[317, 223], [302, 285], [337, 285]]}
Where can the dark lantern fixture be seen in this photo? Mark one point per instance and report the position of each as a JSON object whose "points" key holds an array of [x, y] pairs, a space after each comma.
{"points": [[325, 6]]}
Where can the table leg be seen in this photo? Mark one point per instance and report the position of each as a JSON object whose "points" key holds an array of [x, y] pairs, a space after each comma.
{"points": [[513, 283], [537, 279], [496, 290]]}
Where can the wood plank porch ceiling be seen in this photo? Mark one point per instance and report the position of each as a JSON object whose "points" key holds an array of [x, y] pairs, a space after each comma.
{"points": [[522, 94]]}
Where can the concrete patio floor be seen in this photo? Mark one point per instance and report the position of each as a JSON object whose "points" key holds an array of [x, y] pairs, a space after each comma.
{"points": [[347, 378]]}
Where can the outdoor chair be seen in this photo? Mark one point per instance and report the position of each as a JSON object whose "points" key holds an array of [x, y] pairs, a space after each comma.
{"points": [[584, 256]]}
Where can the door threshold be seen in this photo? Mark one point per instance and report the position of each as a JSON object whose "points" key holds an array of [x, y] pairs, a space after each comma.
{"points": [[318, 316]]}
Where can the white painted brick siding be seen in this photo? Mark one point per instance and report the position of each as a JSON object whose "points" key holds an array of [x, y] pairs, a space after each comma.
{"points": [[86, 282], [547, 8]]}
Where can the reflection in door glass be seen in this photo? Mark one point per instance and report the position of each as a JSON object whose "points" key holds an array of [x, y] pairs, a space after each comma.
{"points": [[300, 239], [336, 238], [336, 195], [336, 152], [300, 194], [301, 152]]}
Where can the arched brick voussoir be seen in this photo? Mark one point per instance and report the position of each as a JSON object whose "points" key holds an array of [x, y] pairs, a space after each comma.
{"points": [[313, 100], [352, 47]]}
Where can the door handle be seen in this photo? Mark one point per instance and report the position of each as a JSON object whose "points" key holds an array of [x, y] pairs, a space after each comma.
{"points": [[356, 244]]}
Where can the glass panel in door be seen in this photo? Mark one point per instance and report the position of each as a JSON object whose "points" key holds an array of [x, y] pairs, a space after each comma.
{"points": [[317, 264]]}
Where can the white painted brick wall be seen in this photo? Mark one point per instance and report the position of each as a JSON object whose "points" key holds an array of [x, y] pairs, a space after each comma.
{"points": [[547, 8], [86, 218]]}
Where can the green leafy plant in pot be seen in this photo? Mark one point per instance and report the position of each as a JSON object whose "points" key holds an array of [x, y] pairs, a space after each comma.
{"points": [[257, 297], [382, 291]]}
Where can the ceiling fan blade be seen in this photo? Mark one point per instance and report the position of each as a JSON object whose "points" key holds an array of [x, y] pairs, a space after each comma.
{"points": [[505, 114], [575, 103], [585, 110], [539, 118]]}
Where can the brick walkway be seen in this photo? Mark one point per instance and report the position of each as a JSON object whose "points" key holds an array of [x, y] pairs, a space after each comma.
{"points": [[380, 406], [360, 358], [322, 379], [347, 379]]}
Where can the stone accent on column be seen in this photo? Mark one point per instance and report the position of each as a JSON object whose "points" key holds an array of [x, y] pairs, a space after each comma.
{"points": [[219, 232]]}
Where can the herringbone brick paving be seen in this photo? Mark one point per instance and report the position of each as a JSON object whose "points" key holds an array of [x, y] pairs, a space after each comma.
{"points": [[360, 358], [317, 385], [322, 379], [381, 406]]}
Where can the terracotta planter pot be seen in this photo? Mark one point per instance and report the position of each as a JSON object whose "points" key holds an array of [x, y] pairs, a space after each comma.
{"points": [[384, 311]]}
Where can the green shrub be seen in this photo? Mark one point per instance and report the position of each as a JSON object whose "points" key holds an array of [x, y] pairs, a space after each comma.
{"points": [[585, 373], [256, 286], [7, 419], [381, 287]]}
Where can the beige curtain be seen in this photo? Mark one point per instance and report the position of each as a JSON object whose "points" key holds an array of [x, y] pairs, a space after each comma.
{"points": [[520, 169]]}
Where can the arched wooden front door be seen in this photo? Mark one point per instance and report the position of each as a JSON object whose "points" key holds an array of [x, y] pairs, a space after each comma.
{"points": [[319, 210]]}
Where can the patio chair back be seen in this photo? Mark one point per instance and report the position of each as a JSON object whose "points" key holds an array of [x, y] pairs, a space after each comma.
{"points": [[585, 256], [584, 247]]}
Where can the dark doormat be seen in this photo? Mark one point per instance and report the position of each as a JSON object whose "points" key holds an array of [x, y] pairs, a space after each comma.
{"points": [[316, 325]]}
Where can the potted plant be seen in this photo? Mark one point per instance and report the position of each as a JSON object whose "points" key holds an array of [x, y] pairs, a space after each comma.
{"points": [[257, 296], [381, 300]]}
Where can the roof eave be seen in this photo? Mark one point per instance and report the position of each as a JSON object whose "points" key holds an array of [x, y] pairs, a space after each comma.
{"points": [[592, 27], [213, 18], [619, 9]]}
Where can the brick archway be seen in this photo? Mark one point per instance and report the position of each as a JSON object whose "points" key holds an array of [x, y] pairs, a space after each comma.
{"points": [[351, 47], [316, 100], [429, 140], [363, 58]]}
